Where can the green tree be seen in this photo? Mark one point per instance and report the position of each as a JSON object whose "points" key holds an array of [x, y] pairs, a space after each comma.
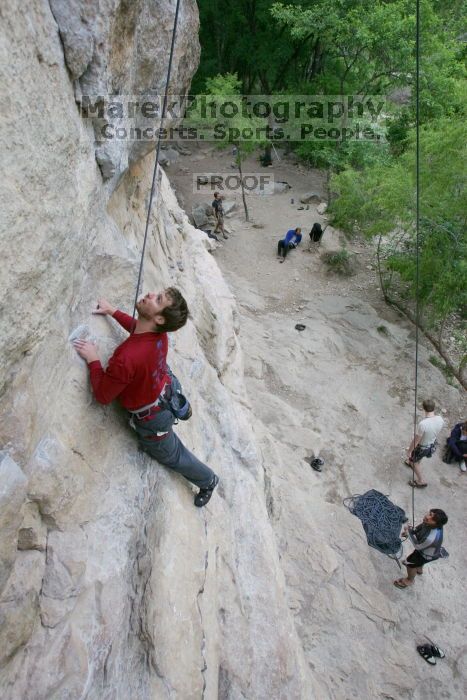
{"points": [[243, 131], [241, 36], [380, 202]]}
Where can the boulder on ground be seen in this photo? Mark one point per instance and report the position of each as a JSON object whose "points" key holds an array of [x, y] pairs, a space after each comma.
{"points": [[170, 154], [281, 186], [311, 197], [229, 206], [182, 149], [322, 208], [202, 215]]}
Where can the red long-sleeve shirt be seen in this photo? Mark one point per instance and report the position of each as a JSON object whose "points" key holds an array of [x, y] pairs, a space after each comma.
{"points": [[136, 372]]}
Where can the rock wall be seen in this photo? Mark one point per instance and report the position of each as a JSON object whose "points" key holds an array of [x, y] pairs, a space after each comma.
{"points": [[119, 49], [112, 585]]}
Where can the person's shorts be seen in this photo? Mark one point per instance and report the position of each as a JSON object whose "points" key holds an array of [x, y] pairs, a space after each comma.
{"points": [[422, 451], [416, 560]]}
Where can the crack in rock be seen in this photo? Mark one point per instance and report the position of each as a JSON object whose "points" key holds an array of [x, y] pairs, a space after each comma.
{"points": [[200, 593]]}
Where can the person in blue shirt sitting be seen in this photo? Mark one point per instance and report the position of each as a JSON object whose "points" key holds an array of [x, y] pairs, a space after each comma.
{"points": [[291, 240]]}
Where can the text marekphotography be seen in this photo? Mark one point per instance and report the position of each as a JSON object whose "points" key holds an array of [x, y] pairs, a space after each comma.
{"points": [[236, 118]]}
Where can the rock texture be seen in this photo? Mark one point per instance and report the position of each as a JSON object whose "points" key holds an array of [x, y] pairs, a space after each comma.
{"points": [[118, 50], [113, 586]]}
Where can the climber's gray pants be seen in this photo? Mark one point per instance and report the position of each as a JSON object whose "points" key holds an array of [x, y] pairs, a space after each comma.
{"points": [[169, 450]]}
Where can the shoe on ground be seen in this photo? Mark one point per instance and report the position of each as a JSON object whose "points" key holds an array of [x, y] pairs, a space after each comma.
{"points": [[317, 464], [436, 651], [203, 496], [225, 236], [425, 651], [462, 466]]}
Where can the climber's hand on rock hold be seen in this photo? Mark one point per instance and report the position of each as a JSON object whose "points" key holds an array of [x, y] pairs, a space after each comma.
{"points": [[86, 350], [104, 308]]}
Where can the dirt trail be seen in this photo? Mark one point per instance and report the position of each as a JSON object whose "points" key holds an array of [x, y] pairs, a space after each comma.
{"points": [[342, 388]]}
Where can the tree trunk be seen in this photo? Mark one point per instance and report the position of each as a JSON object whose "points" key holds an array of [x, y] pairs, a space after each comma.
{"points": [[380, 269], [456, 372], [239, 163]]}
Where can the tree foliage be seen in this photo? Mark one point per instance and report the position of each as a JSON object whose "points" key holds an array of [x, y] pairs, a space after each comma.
{"points": [[234, 130], [345, 47], [380, 201], [240, 36]]}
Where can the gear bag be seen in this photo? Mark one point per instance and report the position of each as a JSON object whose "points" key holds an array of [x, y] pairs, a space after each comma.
{"points": [[175, 401]]}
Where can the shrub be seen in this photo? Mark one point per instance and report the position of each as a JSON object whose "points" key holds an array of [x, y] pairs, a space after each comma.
{"points": [[341, 262]]}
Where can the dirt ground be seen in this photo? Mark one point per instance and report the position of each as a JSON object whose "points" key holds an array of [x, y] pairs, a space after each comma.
{"points": [[344, 389]]}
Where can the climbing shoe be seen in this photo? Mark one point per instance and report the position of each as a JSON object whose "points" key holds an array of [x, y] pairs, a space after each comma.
{"points": [[426, 653], [204, 495], [317, 464], [430, 653]]}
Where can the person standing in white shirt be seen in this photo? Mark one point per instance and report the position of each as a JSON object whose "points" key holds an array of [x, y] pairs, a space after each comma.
{"points": [[424, 443]]}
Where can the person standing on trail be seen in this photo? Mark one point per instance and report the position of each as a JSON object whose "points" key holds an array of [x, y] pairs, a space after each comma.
{"points": [[427, 539], [219, 214], [424, 443], [291, 240], [138, 376]]}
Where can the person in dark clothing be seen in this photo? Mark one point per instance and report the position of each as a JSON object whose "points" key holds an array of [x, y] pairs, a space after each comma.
{"points": [[457, 442], [427, 539], [138, 376], [291, 240], [316, 234], [219, 214], [266, 159]]}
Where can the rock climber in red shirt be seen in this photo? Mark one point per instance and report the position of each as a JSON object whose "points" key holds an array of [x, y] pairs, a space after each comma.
{"points": [[138, 376]]}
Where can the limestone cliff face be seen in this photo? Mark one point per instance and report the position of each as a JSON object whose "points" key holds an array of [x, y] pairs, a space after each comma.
{"points": [[118, 50], [112, 586]]}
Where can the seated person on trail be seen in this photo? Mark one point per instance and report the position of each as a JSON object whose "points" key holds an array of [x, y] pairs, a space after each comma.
{"points": [[425, 442], [138, 376], [427, 539], [291, 240], [316, 233], [457, 441]]}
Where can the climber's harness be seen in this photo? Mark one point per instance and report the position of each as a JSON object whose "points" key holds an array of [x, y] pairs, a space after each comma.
{"points": [[145, 412], [170, 399]]}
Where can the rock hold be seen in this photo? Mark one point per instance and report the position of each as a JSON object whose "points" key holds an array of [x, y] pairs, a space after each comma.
{"points": [[33, 531], [12, 495]]}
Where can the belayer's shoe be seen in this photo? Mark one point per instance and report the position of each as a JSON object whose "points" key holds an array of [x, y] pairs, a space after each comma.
{"points": [[204, 495]]}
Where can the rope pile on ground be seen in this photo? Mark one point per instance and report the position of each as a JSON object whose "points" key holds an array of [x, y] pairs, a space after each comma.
{"points": [[381, 520]]}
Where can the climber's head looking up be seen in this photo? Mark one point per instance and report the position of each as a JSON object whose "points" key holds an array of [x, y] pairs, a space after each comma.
{"points": [[435, 518], [167, 309]]}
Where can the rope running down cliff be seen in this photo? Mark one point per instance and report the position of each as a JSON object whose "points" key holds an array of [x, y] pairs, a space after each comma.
{"points": [[417, 238], [156, 164]]}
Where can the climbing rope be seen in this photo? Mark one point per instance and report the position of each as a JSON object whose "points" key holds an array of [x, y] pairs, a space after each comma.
{"points": [[156, 164], [381, 520], [417, 233]]}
